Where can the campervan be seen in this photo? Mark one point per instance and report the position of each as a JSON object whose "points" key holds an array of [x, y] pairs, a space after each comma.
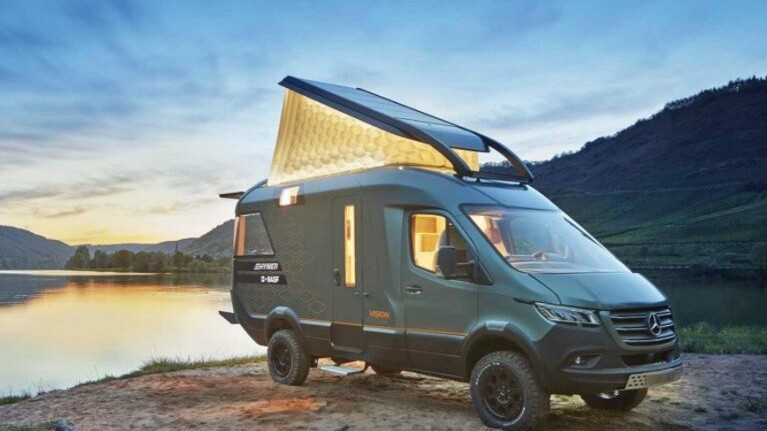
{"points": [[379, 239]]}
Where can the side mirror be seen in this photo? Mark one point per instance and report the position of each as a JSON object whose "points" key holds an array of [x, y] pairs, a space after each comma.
{"points": [[447, 262]]}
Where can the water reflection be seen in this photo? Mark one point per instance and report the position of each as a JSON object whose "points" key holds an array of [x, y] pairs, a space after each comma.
{"points": [[58, 330], [716, 301]]}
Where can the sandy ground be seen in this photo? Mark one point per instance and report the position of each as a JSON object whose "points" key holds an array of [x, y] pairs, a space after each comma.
{"points": [[716, 392]]}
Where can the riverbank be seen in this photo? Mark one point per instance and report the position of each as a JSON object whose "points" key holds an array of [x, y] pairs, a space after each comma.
{"points": [[715, 391]]}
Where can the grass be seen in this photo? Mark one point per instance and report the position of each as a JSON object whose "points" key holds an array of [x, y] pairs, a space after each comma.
{"points": [[14, 398], [165, 365], [49, 426], [168, 365], [704, 338]]}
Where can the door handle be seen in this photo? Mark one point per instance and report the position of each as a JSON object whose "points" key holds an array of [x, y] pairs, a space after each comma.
{"points": [[337, 277], [363, 294], [414, 290]]}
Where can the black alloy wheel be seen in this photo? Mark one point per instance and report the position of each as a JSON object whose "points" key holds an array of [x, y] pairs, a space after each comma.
{"points": [[280, 359], [506, 392], [501, 393], [287, 360]]}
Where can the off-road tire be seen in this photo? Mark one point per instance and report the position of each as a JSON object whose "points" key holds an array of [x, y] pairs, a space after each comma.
{"points": [[625, 401], [530, 396], [385, 371], [288, 362]]}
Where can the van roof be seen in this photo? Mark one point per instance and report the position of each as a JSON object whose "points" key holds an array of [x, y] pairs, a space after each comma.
{"points": [[404, 185]]}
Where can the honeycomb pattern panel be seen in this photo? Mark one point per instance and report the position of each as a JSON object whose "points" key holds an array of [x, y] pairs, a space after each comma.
{"points": [[293, 254], [315, 140]]}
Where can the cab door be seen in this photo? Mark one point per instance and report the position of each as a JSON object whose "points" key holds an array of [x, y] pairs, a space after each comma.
{"points": [[346, 329], [439, 313]]}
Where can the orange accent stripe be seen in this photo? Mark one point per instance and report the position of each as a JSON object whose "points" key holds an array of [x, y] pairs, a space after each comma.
{"points": [[396, 328]]}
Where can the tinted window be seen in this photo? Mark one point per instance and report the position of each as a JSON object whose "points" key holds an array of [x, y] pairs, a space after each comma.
{"points": [[429, 232], [251, 238], [543, 241]]}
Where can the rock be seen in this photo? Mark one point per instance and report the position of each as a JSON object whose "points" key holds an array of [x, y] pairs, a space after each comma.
{"points": [[343, 427], [63, 425]]}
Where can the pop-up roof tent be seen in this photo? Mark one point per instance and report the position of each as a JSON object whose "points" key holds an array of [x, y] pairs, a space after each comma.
{"points": [[328, 129]]}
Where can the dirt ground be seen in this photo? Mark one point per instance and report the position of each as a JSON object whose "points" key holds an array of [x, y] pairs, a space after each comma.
{"points": [[716, 392]]}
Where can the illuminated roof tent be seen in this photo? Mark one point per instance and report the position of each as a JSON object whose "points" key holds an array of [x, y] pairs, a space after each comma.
{"points": [[327, 129]]}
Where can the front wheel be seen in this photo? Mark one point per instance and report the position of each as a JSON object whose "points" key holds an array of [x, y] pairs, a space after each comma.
{"points": [[616, 400], [288, 362], [506, 393]]}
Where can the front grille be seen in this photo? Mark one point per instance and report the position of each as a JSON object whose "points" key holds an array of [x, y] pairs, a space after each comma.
{"points": [[633, 329]]}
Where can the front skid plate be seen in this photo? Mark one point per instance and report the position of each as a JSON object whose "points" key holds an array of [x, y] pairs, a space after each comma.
{"points": [[655, 378]]}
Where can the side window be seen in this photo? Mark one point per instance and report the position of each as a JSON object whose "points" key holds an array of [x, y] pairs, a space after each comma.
{"points": [[429, 232], [250, 237]]}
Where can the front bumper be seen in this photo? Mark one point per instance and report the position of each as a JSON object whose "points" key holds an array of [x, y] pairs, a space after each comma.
{"points": [[655, 378], [606, 365]]}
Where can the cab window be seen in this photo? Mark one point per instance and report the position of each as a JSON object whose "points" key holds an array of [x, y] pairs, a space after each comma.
{"points": [[429, 232]]}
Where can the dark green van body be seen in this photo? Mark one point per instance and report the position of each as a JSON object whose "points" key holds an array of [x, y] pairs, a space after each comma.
{"points": [[405, 317]]}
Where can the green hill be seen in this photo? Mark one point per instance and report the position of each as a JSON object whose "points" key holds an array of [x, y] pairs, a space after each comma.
{"points": [[22, 249], [687, 186], [216, 243]]}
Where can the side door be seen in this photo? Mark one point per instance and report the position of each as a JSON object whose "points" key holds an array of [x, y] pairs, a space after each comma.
{"points": [[439, 313], [346, 329]]}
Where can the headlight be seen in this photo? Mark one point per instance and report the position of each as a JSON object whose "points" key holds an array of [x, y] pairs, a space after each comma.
{"points": [[561, 314]]}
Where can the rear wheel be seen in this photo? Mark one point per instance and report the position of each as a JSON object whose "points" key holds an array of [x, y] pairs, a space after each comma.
{"points": [[288, 362], [385, 371], [506, 392], [616, 400]]}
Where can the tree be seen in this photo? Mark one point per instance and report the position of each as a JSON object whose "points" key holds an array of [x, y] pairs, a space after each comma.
{"points": [[141, 261], [80, 260], [178, 258], [122, 259], [101, 260], [157, 262]]}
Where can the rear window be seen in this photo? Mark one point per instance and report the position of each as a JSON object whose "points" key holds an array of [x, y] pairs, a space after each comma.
{"points": [[250, 236]]}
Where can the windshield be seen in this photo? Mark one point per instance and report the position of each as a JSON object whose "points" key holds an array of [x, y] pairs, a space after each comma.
{"points": [[543, 241]]}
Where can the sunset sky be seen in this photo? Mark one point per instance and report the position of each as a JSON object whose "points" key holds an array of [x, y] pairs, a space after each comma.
{"points": [[121, 121]]}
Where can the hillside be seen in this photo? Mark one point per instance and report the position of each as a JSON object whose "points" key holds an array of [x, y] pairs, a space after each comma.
{"points": [[216, 243], [22, 249], [685, 186]]}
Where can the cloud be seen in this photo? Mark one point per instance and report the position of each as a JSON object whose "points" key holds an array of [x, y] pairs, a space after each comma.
{"points": [[102, 15], [572, 108], [60, 214], [26, 194], [89, 187], [178, 206], [19, 40]]}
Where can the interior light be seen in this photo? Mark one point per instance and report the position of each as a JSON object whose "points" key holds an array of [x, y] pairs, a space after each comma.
{"points": [[289, 196]]}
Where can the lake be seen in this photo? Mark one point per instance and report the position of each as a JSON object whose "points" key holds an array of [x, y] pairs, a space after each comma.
{"points": [[60, 328]]}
